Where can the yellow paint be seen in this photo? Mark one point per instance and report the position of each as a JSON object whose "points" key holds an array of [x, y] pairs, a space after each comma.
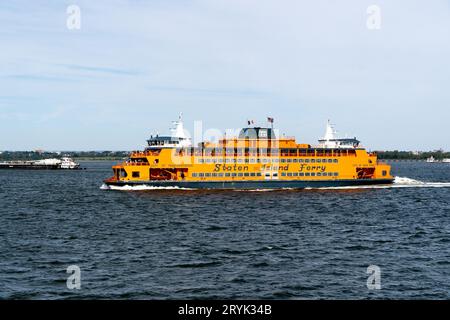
{"points": [[238, 159]]}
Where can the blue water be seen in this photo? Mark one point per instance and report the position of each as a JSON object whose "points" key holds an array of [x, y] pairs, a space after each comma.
{"points": [[183, 244]]}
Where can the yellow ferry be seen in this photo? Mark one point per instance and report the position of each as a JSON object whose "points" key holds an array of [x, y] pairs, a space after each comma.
{"points": [[256, 159]]}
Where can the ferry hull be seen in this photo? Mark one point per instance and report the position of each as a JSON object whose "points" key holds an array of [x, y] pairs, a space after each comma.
{"points": [[251, 185]]}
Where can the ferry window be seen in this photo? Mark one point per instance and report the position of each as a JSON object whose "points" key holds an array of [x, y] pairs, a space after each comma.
{"points": [[246, 174], [301, 174], [136, 174], [330, 160], [201, 174], [335, 160], [214, 174], [294, 160], [207, 174], [200, 160], [295, 174], [336, 174], [208, 160], [221, 174], [252, 160], [258, 160], [246, 161], [307, 174], [283, 174], [319, 160], [227, 174], [313, 160], [267, 174], [289, 160], [233, 174], [220, 160], [240, 160], [252, 174], [330, 174], [283, 160], [307, 160], [259, 174], [313, 174], [194, 174], [289, 174], [275, 160], [300, 160], [240, 174], [319, 174], [384, 173]]}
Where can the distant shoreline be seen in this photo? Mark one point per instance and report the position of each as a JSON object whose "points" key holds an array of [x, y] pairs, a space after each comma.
{"points": [[123, 155]]}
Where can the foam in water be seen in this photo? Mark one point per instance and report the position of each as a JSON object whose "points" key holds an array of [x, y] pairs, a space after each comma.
{"points": [[399, 182], [139, 188]]}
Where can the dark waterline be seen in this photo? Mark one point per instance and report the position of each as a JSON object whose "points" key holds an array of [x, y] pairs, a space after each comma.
{"points": [[177, 244]]}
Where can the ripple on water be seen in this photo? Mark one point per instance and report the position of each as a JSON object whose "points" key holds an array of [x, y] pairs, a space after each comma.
{"points": [[181, 244]]}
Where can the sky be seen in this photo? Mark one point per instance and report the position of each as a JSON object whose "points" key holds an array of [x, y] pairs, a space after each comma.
{"points": [[134, 65]]}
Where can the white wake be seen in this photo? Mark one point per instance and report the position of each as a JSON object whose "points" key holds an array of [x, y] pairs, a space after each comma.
{"points": [[142, 187], [399, 182]]}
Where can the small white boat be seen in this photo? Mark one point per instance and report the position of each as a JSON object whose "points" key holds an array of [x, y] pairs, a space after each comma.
{"points": [[68, 163], [432, 159], [446, 160]]}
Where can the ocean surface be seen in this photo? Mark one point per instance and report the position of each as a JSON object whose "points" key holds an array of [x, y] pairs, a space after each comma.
{"points": [[191, 244]]}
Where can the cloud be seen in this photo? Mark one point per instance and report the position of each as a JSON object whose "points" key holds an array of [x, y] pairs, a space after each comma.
{"points": [[139, 63]]}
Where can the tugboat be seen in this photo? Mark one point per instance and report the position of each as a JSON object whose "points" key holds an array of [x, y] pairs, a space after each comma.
{"points": [[256, 159], [65, 163]]}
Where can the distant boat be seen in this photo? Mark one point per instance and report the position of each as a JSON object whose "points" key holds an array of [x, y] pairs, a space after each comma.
{"points": [[432, 159], [64, 163]]}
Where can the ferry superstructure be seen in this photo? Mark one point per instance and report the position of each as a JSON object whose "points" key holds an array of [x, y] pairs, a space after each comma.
{"points": [[256, 159]]}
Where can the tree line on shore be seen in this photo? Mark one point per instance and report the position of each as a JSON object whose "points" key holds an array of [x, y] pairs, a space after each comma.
{"points": [[118, 155], [88, 155], [410, 155]]}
